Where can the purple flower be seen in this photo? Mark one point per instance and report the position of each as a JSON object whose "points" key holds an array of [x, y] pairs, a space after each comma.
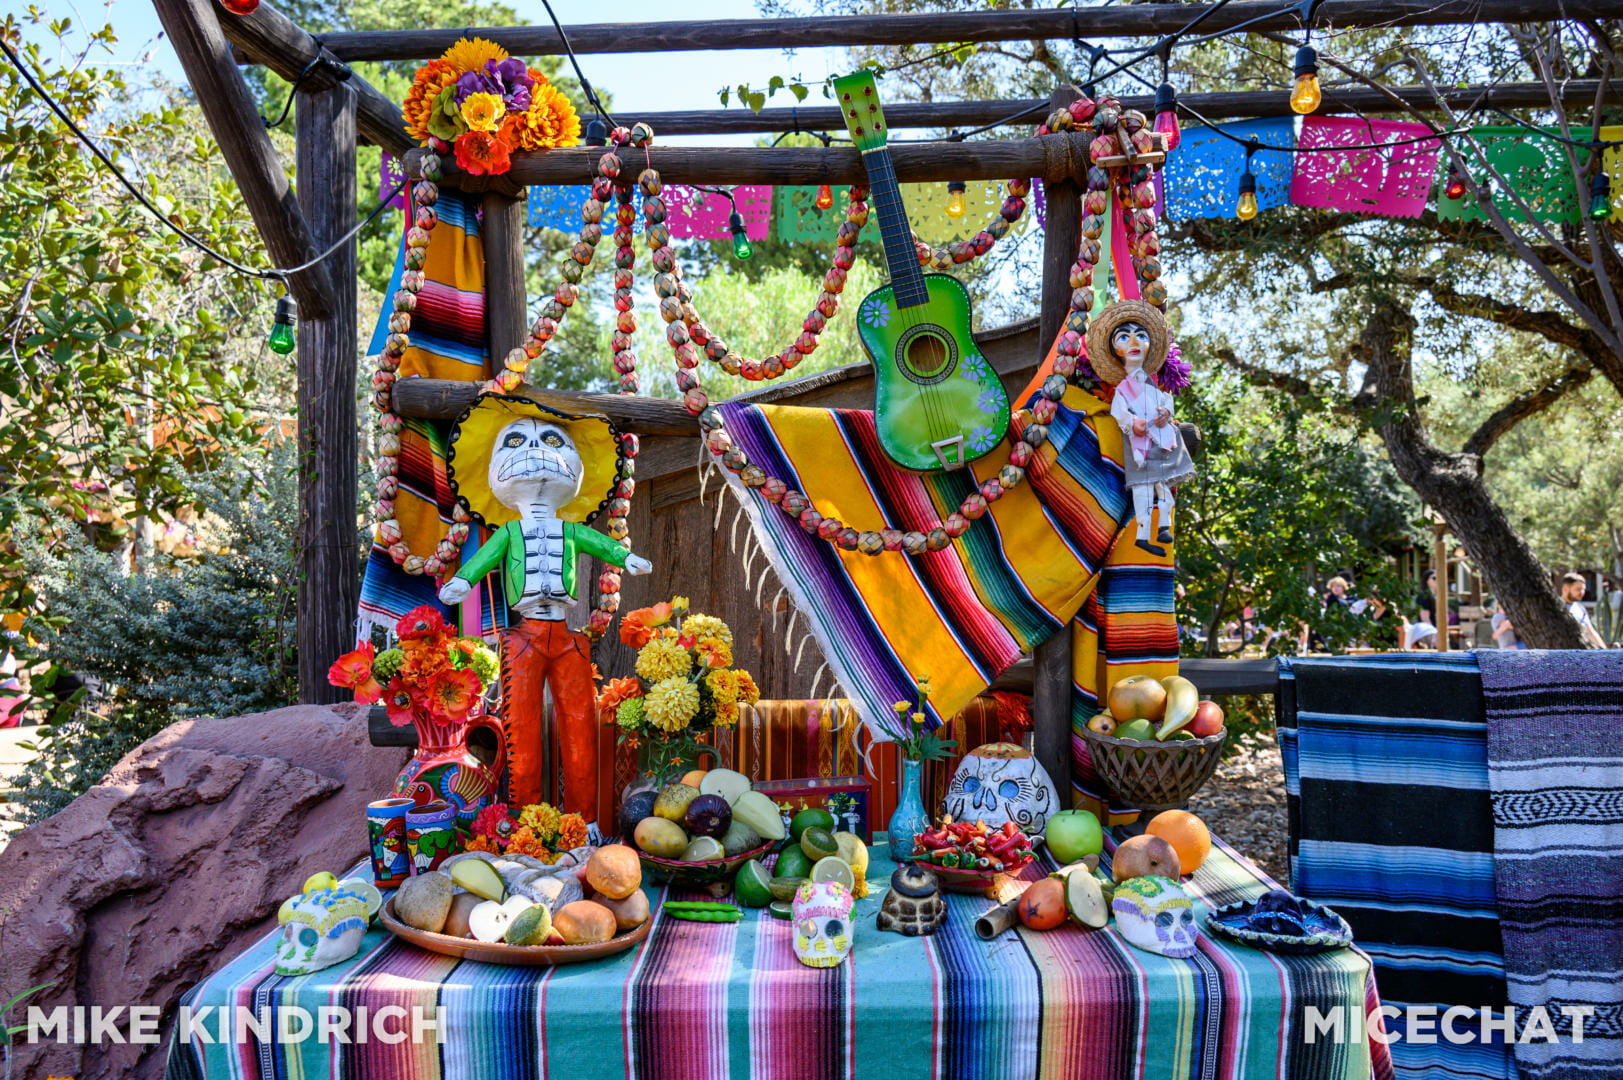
{"points": [[508, 79], [1174, 374]]}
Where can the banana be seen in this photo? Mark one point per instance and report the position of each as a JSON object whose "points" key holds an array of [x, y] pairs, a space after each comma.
{"points": [[1182, 699]]}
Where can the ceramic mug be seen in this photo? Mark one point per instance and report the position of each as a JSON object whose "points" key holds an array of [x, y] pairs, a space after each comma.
{"points": [[431, 835], [386, 836]]}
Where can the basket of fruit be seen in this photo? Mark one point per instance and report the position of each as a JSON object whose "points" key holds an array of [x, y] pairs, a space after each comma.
{"points": [[695, 834], [968, 855], [1157, 743]]}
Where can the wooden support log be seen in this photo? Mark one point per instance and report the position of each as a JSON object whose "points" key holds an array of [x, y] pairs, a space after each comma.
{"points": [[1052, 157], [445, 399], [246, 146], [501, 235], [1065, 23], [1051, 680], [1028, 112], [270, 38], [329, 555]]}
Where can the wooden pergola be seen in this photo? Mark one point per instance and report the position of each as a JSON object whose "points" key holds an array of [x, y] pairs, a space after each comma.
{"points": [[336, 110]]}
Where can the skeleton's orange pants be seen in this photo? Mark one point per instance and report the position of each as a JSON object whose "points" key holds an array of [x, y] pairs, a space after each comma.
{"points": [[540, 651]]}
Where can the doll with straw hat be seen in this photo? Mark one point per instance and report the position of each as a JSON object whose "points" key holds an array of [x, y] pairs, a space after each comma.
{"points": [[535, 476], [1127, 345]]}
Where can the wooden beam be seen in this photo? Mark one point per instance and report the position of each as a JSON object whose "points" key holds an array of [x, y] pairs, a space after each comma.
{"points": [[1051, 659], [246, 146], [1065, 23], [1028, 112], [270, 38], [1052, 157], [329, 555], [501, 235]]}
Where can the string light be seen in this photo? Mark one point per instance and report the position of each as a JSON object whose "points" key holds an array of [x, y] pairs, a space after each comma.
{"points": [[1455, 188], [825, 197], [955, 198], [281, 336], [1246, 208], [1305, 96], [1166, 116], [240, 7], [741, 240], [1600, 196], [597, 133]]}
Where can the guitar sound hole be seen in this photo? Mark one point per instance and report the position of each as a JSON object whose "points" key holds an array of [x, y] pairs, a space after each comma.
{"points": [[927, 354]]}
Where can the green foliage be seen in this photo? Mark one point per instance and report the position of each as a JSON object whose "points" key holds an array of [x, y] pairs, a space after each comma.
{"points": [[212, 635]]}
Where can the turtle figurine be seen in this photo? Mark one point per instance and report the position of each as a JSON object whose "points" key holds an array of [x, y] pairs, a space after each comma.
{"points": [[913, 906]]}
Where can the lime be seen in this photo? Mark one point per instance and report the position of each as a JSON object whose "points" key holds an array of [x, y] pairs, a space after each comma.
{"points": [[367, 890], [818, 843], [703, 848], [781, 909], [323, 880], [813, 818], [792, 862], [752, 887], [834, 868], [784, 888]]}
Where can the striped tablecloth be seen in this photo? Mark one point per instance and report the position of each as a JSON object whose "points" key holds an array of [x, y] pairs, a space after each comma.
{"points": [[709, 1001]]}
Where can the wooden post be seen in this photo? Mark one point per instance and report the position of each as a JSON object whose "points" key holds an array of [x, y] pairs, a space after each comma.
{"points": [[1439, 557], [1051, 679], [329, 561], [501, 234]]}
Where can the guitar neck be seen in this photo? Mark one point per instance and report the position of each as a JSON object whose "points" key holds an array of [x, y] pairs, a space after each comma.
{"points": [[906, 278]]}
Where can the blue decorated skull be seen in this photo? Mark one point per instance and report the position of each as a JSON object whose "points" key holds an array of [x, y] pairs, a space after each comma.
{"points": [[1155, 914], [1001, 782]]}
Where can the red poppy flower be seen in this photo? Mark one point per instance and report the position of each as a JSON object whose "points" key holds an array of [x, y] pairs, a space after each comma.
{"points": [[480, 152], [451, 695], [354, 669], [399, 703], [493, 822], [420, 622]]}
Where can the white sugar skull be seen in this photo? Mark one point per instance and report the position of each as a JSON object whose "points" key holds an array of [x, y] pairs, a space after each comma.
{"points": [[822, 923], [1001, 782], [1154, 914], [323, 928], [535, 461]]}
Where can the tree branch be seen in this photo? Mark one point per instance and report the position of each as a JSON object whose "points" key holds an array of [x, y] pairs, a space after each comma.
{"points": [[1525, 405]]}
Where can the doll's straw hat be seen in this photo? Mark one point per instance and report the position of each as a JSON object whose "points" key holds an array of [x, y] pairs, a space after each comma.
{"points": [[467, 460], [1102, 326]]}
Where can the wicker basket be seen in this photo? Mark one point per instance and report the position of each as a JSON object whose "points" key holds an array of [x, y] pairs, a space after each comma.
{"points": [[1154, 775]]}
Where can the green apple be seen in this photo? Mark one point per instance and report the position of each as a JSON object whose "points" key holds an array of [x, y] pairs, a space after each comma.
{"points": [[1140, 729], [1072, 834]]}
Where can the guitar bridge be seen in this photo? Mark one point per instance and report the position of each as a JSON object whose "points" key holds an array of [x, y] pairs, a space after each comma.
{"points": [[956, 446]]}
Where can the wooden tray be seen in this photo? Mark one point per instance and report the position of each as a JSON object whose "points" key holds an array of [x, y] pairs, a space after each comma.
{"points": [[510, 955], [705, 870]]}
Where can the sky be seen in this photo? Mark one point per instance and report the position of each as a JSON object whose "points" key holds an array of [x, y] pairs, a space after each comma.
{"points": [[686, 80]]}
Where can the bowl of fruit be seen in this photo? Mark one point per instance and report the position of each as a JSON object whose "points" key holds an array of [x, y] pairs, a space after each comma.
{"points": [[698, 833], [968, 855], [1157, 742]]}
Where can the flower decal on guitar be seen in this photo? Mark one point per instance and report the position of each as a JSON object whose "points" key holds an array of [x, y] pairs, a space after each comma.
{"points": [[875, 312], [973, 366], [991, 401], [982, 438]]}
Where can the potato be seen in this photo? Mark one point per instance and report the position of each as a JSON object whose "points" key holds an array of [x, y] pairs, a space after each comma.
{"points": [[614, 871], [630, 912]]}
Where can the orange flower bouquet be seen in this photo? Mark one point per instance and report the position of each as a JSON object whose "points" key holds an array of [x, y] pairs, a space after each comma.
{"points": [[538, 830], [433, 673]]}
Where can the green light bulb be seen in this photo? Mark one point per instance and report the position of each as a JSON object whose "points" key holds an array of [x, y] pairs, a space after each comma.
{"points": [[1600, 197], [741, 240], [281, 339]]}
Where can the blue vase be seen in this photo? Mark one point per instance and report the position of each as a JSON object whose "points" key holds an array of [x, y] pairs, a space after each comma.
{"points": [[910, 817]]}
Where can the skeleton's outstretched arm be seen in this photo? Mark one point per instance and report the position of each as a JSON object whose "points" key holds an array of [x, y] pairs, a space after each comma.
{"points": [[483, 562]]}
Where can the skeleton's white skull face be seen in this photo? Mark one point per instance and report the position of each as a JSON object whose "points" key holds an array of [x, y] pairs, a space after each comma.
{"points": [[323, 928], [822, 923], [535, 461], [1154, 914], [1002, 782]]}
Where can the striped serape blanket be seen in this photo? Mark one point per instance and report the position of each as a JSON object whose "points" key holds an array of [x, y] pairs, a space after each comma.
{"points": [[1051, 550], [447, 342], [711, 1001], [1386, 780], [1555, 767]]}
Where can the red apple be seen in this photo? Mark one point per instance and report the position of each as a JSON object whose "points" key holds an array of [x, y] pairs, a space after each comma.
{"points": [[1103, 724], [1145, 856], [1208, 719]]}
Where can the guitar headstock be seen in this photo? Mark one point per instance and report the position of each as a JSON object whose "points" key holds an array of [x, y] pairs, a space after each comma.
{"points": [[858, 97]]}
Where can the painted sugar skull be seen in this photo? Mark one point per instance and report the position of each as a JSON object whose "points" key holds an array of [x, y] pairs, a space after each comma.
{"points": [[534, 461], [1154, 914], [323, 928], [822, 923], [1001, 782]]}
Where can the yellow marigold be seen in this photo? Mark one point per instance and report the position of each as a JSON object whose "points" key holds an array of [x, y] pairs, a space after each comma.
{"points": [[571, 832], [482, 112], [707, 626], [724, 686], [672, 703], [550, 121], [540, 818], [432, 78], [470, 54], [715, 652], [726, 715], [747, 691], [663, 658]]}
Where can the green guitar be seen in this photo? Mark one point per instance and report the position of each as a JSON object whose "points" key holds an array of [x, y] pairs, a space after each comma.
{"points": [[938, 405]]}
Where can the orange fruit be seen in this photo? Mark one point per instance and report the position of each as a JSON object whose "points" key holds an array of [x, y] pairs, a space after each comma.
{"points": [[1186, 833], [1042, 905], [693, 777]]}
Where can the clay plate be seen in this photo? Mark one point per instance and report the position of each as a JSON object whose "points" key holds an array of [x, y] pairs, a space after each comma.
{"points": [[510, 955], [977, 882], [704, 870]]}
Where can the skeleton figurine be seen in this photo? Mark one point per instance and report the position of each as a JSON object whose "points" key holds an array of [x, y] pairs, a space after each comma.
{"points": [[1154, 914], [822, 923], [323, 927], [1127, 345], [534, 476]]}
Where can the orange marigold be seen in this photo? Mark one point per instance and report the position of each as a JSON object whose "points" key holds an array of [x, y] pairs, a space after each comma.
{"points": [[571, 832], [747, 691], [432, 78], [615, 692], [484, 843], [527, 841]]}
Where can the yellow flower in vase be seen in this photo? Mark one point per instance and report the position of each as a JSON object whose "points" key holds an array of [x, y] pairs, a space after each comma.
{"points": [[726, 714], [663, 658], [672, 703], [723, 686], [747, 691], [714, 652], [483, 112], [700, 626]]}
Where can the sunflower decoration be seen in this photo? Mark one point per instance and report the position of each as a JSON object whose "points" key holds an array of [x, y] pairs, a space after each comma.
{"points": [[485, 104]]}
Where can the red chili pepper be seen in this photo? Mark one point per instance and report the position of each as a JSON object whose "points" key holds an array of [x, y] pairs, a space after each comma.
{"points": [[1009, 829]]}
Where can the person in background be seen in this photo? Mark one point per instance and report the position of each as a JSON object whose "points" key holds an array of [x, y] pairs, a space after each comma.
{"points": [[1419, 635], [1573, 588], [1504, 634], [1385, 629]]}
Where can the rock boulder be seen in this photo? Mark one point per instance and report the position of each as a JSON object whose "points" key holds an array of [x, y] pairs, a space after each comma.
{"points": [[175, 862]]}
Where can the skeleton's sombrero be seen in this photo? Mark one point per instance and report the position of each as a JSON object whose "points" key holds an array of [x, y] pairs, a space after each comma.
{"points": [[1103, 326], [467, 460]]}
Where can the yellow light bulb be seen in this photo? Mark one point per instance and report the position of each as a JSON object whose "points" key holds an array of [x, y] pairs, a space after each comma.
{"points": [[1247, 209], [955, 204], [1305, 97]]}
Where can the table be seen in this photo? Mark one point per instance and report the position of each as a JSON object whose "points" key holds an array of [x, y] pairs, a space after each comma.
{"points": [[699, 1001]]}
